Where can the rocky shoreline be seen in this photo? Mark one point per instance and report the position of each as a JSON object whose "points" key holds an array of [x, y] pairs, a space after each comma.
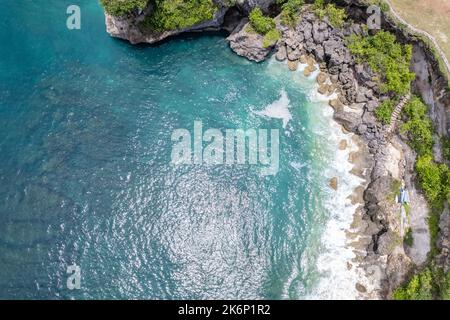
{"points": [[375, 245], [378, 249], [383, 159]]}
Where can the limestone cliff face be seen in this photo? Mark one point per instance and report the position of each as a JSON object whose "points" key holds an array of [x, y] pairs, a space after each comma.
{"points": [[128, 27], [431, 84]]}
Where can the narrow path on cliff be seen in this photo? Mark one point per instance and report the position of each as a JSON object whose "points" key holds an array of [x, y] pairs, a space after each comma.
{"points": [[418, 212], [398, 109], [422, 32]]}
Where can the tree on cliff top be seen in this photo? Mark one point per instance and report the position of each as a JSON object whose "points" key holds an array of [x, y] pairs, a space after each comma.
{"points": [[179, 14], [261, 23], [387, 57], [123, 7]]}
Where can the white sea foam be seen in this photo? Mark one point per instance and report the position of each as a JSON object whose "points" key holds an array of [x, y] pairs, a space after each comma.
{"points": [[278, 109], [336, 281]]}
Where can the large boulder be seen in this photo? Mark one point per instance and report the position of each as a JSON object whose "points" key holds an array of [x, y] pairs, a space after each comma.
{"points": [[336, 52], [350, 120], [319, 31], [305, 28], [281, 54], [247, 43], [294, 54]]}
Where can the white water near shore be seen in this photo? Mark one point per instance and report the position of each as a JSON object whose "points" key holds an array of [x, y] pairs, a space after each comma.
{"points": [[279, 109], [331, 254], [338, 282]]}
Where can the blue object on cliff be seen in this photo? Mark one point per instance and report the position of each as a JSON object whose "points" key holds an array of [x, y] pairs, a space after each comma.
{"points": [[403, 196]]}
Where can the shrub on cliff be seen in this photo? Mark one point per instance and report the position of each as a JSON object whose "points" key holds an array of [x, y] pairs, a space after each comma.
{"points": [[408, 239], [336, 16], [179, 14], [123, 7], [290, 12], [387, 57], [433, 179], [418, 126], [382, 4], [261, 23], [384, 111], [446, 148], [445, 287], [431, 283], [271, 38], [420, 287]]}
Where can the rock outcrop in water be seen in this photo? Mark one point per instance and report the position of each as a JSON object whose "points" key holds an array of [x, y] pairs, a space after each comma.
{"points": [[227, 16], [248, 44]]}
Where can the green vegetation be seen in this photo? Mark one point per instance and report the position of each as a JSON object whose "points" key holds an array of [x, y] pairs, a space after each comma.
{"points": [[289, 11], [418, 126], [434, 178], [336, 16], [434, 181], [271, 38], [386, 57], [261, 23], [409, 240], [265, 26], [395, 190], [420, 287], [384, 6], [431, 283], [123, 7], [384, 111], [433, 226], [407, 209], [319, 8], [179, 14], [445, 287], [445, 142]]}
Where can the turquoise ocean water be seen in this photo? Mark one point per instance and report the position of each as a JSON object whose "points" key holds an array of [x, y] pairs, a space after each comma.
{"points": [[85, 173]]}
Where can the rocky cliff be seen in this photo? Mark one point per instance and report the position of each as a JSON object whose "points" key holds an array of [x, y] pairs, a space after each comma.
{"points": [[228, 14]]}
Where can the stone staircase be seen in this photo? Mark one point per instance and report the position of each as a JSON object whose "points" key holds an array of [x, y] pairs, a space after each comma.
{"points": [[396, 113]]}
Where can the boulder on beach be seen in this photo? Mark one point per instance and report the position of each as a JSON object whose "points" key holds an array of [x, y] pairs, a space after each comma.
{"points": [[331, 88], [310, 61], [323, 88], [309, 70], [292, 65], [336, 104], [294, 54], [343, 144], [334, 183], [303, 59], [360, 288], [281, 53], [321, 78]]}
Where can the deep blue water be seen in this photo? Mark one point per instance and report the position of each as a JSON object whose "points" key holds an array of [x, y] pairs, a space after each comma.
{"points": [[86, 178]]}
